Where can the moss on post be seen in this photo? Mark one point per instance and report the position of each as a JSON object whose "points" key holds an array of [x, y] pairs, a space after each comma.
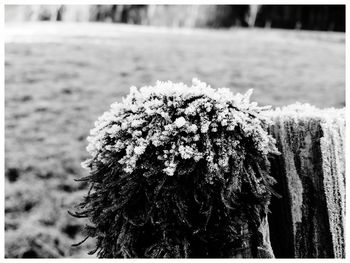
{"points": [[178, 171]]}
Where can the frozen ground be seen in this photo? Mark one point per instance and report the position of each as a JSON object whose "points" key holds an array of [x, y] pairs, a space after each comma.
{"points": [[60, 77]]}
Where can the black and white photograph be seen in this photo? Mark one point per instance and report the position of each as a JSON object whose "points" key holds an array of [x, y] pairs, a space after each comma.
{"points": [[167, 130]]}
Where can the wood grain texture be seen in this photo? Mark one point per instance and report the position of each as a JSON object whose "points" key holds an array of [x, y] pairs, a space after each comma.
{"points": [[308, 221]]}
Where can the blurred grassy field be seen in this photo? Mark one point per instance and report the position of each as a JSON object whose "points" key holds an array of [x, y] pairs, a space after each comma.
{"points": [[59, 79]]}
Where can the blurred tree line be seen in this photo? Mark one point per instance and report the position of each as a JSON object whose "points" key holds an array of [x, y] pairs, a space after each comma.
{"points": [[310, 17]]}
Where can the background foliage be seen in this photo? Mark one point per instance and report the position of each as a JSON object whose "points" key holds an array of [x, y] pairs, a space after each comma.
{"points": [[310, 17]]}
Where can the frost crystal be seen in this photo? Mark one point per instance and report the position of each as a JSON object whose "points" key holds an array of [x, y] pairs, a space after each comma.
{"points": [[179, 122]]}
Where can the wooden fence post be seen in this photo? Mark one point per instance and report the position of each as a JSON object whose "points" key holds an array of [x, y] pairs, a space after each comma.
{"points": [[308, 221]]}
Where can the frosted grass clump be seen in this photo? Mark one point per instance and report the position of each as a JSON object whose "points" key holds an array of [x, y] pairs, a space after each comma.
{"points": [[179, 122], [178, 171]]}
